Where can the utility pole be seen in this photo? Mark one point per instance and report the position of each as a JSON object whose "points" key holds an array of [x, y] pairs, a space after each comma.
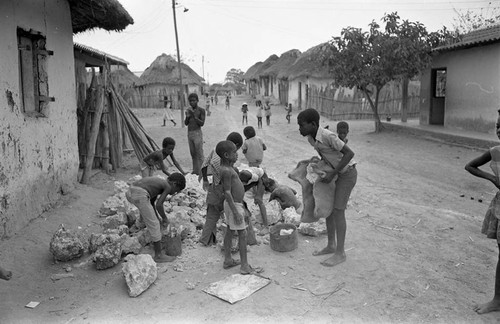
{"points": [[181, 87], [203, 66]]}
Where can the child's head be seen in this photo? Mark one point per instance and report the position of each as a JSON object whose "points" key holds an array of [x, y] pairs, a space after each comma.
{"points": [[245, 176], [342, 129], [269, 184], [236, 138], [178, 181], [308, 121], [249, 132], [226, 150], [168, 145], [193, 99]]}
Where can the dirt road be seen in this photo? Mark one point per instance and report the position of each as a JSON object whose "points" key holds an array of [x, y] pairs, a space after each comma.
{"points": [[414, 249]]}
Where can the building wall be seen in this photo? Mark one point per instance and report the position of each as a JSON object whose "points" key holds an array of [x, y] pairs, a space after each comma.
{"points": [[39, 154], [472, 88]]}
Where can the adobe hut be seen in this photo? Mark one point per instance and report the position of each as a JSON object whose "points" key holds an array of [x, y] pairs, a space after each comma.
{"points": [[38, 119], [252, 81], [161, 79], [264, 79]]}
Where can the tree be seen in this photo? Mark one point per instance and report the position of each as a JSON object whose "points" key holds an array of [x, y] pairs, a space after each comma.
{"points": [[234, 76], [469, 20], [369, 60]]}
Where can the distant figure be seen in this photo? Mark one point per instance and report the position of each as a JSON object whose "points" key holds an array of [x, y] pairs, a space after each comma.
{"points": [[267, 111], [212, 99], [244, 110], [168, 115], [227, 102], [260, 113], [343, 130], [216, 99], [195, 119], [289, 112], [207, 105]]}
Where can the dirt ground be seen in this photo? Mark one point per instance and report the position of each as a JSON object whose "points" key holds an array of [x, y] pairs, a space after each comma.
{"points": [[415, 253]]}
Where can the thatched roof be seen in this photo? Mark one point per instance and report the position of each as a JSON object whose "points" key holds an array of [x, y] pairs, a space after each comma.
{"points": [[250, 73], [308, 64], [265, 65], [99, 55], [285, 60], [164, 70], [123, 76], [105, 14]]}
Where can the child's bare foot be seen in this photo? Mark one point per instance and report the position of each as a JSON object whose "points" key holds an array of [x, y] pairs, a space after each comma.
{"points": [[492, 306], [334, 260], [326, 250], [231, 263], [247, 269], [162, 258], [5, 274]]}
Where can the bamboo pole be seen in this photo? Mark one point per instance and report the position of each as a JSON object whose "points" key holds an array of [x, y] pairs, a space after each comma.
{"points": [[94, 130]]}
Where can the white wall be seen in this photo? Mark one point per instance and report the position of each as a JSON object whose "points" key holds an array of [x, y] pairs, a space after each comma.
{"points": [[39, 156]]}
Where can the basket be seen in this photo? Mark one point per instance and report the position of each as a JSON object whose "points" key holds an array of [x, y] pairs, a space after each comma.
{"points": [[283, 243], [173, 245]]}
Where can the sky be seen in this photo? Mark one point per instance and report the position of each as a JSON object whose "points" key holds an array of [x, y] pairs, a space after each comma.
{"points": [[216, 36]]}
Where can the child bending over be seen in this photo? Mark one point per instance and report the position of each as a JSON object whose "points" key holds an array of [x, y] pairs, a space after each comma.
{"points": [[144, 195], [155, 160], [233, 207]]}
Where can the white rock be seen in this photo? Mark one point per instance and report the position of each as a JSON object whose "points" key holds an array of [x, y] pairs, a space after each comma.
{"points": [[140, 272]]}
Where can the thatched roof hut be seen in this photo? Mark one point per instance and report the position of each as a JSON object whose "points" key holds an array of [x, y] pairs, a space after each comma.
{"points": [[123, 76], [285, 60], [165, 70], [105, 14], [250, 73], [265, 65], [308, 64]]}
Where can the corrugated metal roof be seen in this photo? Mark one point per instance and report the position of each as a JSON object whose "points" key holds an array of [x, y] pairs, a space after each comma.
{"points": [[482, 36], [113, 60]]}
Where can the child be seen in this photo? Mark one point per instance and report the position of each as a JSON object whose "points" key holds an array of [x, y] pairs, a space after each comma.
{"points": [[342, 130], [490, 223], [215, 195], [227, 102], [168, 115], [267, 109], [5, 274], [289, 112], [233, 208], [253, 147], [253, 180], [244, 110], [260, 112], [335, 152], [207, 104], [155, 160], [143, 194]]}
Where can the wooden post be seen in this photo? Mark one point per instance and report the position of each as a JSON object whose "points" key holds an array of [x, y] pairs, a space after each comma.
{"points": [[94, 131]]}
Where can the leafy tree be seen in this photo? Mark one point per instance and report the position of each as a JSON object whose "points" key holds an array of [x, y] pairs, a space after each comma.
{"points": [[234, 76], [369, 60]]}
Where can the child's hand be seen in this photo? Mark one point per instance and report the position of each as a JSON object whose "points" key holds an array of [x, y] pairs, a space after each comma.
{"points": [[329, 176]]}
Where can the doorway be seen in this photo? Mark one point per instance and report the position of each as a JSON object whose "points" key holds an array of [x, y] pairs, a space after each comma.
{"points": [[438, 96]]}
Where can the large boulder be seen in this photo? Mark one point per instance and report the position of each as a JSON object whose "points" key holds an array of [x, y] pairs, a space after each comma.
{"points": [[140, 272], [66, 245]]}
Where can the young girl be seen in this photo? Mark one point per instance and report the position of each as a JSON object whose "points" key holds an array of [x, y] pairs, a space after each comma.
{"points": [[267, 109], [288, 112], [260, 112], [490, 224]]}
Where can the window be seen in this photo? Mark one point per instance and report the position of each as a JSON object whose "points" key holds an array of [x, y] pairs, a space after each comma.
{"points": [[33, 79]]}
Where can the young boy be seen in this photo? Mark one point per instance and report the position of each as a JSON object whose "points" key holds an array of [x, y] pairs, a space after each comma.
{"points": [[5, 274], [244, 110], [155, 160], [233, 207], [339, 156], [342, 131], [144, 195], [253, 180], [215, 195], [253, 147]]}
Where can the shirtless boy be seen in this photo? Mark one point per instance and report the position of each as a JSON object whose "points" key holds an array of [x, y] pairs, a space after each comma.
{"points": [[156, 158], [233, 207], [144, 195]]}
